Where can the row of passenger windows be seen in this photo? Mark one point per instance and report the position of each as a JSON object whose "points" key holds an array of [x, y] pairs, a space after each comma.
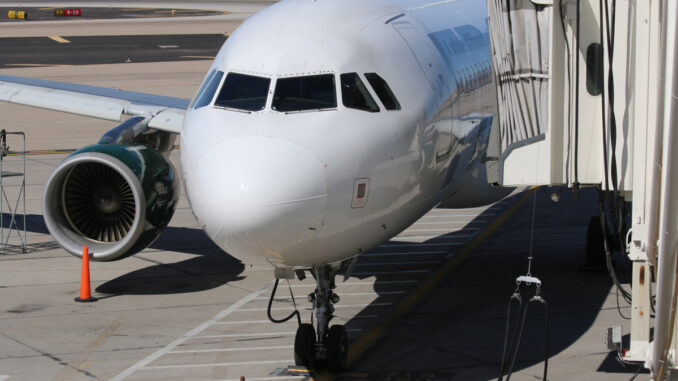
{"points": [[249, 93]]}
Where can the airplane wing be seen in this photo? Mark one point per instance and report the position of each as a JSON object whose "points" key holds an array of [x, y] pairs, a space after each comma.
{"points": [[97, 102]]}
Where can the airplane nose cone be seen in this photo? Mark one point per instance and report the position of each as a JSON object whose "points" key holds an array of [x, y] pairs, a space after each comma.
{"points": [[261, 196]]}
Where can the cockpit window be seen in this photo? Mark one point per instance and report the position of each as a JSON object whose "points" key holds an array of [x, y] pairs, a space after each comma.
{"points": [[243, 92], [313, 92], [207, 89], [383, 91], [354, 94]]}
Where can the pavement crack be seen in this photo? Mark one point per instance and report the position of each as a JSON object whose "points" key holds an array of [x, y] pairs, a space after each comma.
{"points": [[53, 358]]}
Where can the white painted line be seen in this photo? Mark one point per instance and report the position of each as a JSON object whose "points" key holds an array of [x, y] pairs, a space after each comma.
{"points": [[341, 294], [310, 308], [246, 334], [432, 236], [273, 335], [451, 222], [246, 322], [154, 356], [168, 46], [216, 364], [392, 272], [404, 253], [397, 263], [234, 349], [458, 215], [364, 283], [272, 378], [434, 230], [60, 40], [420, 244]]}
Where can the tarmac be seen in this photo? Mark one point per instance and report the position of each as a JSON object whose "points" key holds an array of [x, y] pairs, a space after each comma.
{"points": [[431, 304]]}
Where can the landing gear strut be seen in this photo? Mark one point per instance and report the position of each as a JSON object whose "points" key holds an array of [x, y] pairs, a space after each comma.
{"points": [[324, 344]]}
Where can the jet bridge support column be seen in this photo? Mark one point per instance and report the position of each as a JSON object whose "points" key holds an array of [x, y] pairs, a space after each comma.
{"points": [[646, 161], [663, 358]]}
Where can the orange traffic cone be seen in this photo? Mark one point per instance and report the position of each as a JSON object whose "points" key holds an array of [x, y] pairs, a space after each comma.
{"points": [[85, 294]]}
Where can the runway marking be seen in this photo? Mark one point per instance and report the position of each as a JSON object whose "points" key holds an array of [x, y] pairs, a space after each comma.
{"points": [[154, 356], [216, 364], [360, 346], [168, 46], [59, 39], [234, 349]]}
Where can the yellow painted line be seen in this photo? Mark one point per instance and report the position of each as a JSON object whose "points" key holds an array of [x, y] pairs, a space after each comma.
{"points": [[36, 65], [419, 293], [48, 8], [58, 39]]}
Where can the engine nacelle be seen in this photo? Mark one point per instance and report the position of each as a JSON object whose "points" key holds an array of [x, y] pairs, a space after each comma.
{"points": [[116, 199]]}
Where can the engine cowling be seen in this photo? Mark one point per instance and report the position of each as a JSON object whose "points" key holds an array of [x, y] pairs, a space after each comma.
{"points": [[116, 199]]}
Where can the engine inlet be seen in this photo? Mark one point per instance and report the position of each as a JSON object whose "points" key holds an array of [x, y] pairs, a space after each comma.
{"points": [[98, 202]]}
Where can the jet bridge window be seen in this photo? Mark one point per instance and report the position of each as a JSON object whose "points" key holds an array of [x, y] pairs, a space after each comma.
{"points": [[207, 89], [354, 94], [313, 92], [243, 92], [383, 91]]}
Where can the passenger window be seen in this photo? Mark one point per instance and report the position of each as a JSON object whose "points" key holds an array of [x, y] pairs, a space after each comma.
{"points": [[207, 89], [243, 92], [383, 91], [354, 94], [314, 92]]}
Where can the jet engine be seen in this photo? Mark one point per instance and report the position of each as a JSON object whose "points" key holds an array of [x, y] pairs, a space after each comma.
{"points": [[114, 198]]}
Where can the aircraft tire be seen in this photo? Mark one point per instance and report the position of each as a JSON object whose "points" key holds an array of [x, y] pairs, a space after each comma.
{"points": [[304, 345], [337, 348]]}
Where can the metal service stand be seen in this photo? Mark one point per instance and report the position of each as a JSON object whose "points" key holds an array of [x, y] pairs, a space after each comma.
{"points": [[12, 187]]}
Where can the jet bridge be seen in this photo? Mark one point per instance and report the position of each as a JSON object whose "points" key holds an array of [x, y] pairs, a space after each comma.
{"points": [[587, 93]]}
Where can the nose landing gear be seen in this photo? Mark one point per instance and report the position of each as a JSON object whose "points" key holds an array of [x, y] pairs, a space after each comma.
{"points": [[325, 344]]}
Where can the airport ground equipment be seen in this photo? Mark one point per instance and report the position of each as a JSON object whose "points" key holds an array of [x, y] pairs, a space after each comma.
{"points": [[587, 95], [12, 194]]}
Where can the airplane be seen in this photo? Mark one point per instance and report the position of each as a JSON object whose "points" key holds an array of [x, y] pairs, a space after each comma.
{"points": [[322, 129]]}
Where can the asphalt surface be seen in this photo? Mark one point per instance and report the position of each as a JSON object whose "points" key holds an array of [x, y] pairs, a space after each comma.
{"points": [[83, 50]]}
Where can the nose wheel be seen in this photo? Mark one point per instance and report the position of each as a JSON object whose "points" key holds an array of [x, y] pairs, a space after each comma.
{"points": [[322, 344]]}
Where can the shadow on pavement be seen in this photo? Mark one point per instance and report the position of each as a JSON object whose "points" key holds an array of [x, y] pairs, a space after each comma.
{"points": [[206, 268], [457, 331]]}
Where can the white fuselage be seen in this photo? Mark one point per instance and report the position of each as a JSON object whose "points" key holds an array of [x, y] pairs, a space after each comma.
{"points": [[298, 189]]}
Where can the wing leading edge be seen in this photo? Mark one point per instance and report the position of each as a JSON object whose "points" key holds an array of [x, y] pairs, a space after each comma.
{"points": [[96, 102]]}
